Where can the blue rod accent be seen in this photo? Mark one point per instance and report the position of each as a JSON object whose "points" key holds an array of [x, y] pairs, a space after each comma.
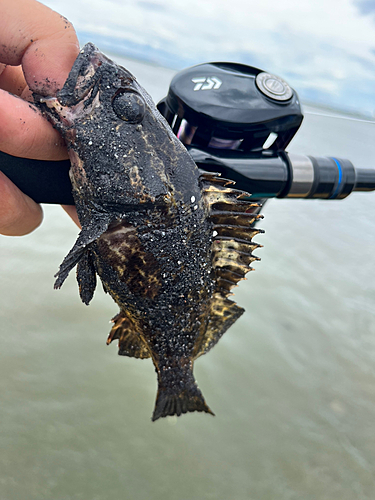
{"points": [[340, 179]]}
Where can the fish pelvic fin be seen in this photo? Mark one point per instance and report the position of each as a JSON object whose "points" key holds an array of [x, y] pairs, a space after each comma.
{"points": [[90, 232], [178, 392]]}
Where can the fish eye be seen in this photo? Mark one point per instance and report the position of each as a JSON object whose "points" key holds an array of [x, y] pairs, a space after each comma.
{"points": [[129, 106]]}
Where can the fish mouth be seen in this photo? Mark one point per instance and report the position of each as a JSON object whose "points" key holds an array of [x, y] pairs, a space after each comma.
{"points": [[86, 74], [80, 93], [63, 117], [83, 76]]}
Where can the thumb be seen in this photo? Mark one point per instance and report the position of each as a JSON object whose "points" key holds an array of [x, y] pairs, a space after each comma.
{"points": [[39, 39]]}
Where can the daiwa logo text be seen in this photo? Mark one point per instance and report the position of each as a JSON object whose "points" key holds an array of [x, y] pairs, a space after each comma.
{"points": [[206, 83]]}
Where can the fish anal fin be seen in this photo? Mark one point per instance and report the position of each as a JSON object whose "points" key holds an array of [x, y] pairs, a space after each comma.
{"points": [[130, 342], [222, 314]]}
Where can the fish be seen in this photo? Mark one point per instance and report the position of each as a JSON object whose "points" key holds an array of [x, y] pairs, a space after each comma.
{"points": [[168, 241]]}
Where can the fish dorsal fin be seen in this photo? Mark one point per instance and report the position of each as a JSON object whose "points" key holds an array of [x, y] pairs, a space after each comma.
{"points": [[130, 342], [232, 216], [222, 314]]}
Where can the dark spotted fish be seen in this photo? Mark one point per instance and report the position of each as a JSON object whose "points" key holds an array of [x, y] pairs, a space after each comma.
{"points": [[167, 242]]}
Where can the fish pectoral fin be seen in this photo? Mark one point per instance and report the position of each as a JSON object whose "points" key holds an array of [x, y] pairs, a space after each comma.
{"points": [[222, 314], [86, 276], [178, 392], [97, 225], [130, 342], [70, 261]]}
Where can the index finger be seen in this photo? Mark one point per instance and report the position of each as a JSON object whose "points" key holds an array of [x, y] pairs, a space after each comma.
{"points": [[39, 39], [45, 45]]}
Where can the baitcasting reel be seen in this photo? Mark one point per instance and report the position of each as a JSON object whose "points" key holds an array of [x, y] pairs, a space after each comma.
{"points": [[238, 120], [234, 119]]}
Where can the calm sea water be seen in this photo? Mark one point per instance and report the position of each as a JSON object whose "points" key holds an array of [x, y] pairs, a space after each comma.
{"points": [[292, 382]]}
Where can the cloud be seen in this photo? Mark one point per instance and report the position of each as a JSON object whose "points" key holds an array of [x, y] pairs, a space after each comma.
{"points": [[366, 6], [326, 46]]}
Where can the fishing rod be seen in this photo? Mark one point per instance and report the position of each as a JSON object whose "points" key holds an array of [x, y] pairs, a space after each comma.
{"points": [[234, 119]]}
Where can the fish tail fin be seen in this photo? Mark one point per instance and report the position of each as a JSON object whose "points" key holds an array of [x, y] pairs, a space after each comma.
{"points": [[178, 393]]}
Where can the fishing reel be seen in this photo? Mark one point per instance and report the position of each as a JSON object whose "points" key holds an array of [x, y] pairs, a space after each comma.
{"points": [[234, 119], [238, 120]]}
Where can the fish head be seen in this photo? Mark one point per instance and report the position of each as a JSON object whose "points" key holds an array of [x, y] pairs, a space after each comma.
{"points": [[122, 150]]}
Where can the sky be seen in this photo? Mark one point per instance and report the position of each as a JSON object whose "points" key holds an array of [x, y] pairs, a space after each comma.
{"points": [[325, 49]]}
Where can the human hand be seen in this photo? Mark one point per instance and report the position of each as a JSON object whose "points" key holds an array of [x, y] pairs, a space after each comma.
{"points": [[37, 50]]}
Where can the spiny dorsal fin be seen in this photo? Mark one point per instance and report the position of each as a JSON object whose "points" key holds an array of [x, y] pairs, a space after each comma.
{"points": [[232, 216], [130, 343], [222, 314]]}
